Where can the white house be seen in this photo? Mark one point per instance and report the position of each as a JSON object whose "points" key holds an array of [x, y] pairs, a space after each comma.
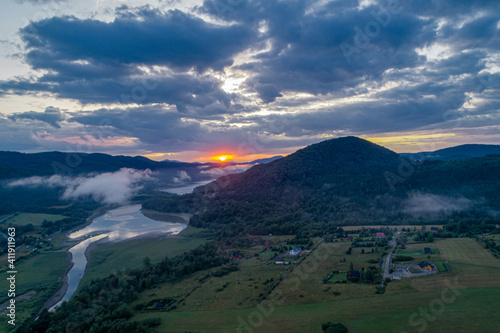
{"points": [[295, 251]]}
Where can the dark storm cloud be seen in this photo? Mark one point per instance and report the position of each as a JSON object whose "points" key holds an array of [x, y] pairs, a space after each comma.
{"points": [[51, 116], [97, 62], [153, 125], [188, 92], [173, 39], [161, 129], [329, 49]]}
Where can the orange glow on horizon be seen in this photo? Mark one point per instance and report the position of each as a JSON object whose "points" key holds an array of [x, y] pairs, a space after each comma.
{"points": [[224, 158]]}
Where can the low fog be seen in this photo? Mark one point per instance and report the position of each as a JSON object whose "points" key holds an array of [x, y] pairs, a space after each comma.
{"points": [[223, 171], [108, 188], [425, 203], [182, 177]]}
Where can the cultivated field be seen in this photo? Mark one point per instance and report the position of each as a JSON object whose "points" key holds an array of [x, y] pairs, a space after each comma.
{"points": [[301, 301]]}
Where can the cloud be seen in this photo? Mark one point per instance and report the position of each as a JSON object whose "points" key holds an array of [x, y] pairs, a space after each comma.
{"points": [[108, 188], [144, 37], [219, 172], [307, 54], [425, 203], [38, 2], [218, 76], [51, 116], [182, 177]]}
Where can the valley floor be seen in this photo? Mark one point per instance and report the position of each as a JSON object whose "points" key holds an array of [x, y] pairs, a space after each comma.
{"points": [[264, 297]]}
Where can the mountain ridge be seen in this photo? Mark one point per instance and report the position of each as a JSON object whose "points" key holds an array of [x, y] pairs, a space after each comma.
{"points": [[338, 181], [456, 152]]}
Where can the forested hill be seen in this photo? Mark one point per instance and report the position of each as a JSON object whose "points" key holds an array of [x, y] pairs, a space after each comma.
{"points": [[340, 181], [455, 153], [347, 165], [16, 165]]}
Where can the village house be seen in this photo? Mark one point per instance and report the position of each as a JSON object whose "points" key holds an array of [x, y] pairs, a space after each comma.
{"points": [[237, 256], [426, 266], [279, 261], [427, 250], [296, 250]]}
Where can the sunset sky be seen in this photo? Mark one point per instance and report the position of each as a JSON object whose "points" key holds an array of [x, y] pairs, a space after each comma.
{"points": [[192, 80]]}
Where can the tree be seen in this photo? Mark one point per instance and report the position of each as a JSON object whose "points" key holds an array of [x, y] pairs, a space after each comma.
{"points": [[331, 327], [146, 261]]}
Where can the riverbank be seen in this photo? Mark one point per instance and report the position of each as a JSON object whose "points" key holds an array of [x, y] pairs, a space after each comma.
{"points": [[166, 217], [59, 294]]}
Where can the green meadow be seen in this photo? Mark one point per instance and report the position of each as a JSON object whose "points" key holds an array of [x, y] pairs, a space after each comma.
{"points": [[36, 280], [130, 254], [35, 219]]}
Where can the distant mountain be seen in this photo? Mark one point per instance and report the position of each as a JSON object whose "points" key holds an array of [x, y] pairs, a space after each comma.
{"points": [[340, 181], [455, 153], [16, 165], [265, 160], [175, 161]]}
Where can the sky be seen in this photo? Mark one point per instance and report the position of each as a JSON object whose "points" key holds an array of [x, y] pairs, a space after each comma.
{"points": [[190, 80]]}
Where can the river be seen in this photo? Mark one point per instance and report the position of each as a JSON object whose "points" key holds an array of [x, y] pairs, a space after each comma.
{"points": [[116, 225], [186, 188]]}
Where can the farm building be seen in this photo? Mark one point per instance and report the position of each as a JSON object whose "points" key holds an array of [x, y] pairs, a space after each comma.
{"points": [[426, 266], [427, 250], [296, 250], [354, 276]]}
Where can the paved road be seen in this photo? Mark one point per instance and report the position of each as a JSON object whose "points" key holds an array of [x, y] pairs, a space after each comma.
{"points": [[388, 258]]}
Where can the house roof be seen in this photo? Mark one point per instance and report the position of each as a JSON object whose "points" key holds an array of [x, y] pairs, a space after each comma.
{"points": [[278, 259], [423, 264], [427, 249], [296, 249], [434, 228]]}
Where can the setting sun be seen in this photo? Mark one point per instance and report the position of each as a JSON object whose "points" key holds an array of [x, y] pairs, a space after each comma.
{"points": [[224, 158]]}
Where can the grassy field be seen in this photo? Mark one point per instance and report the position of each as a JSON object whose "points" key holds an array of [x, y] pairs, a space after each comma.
{"points": [[418, 253], [36, 280], [399, 227], [338, 277], [469, 262], [35, 219], [473, 310], [301, 302], [130, 254]]}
